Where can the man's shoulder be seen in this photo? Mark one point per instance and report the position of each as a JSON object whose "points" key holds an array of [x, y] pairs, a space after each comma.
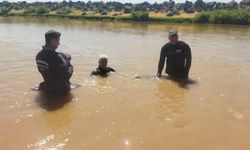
{"points": [[166, 46], [96, 71], [182, 43], [46, 54], [40, 54]]}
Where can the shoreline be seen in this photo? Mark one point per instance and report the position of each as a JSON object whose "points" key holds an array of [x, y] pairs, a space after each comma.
{"points": [[105, 18], [184, 20]]}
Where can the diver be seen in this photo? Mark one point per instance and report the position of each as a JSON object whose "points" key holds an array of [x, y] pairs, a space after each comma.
{"points": [[102, 69]]}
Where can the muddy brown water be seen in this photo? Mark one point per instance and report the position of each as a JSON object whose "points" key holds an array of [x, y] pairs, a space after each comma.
{"points": [[211, 111]]}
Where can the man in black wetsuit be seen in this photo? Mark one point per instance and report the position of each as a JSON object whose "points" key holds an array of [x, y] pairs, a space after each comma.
{"points": [[55, 67], [102, 69], [178, 56]]}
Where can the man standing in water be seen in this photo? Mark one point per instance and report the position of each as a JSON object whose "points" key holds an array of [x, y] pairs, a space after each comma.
{"points": [[178, 56], [55, 67]]}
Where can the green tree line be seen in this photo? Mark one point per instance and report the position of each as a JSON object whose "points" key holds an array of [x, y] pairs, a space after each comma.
{"points": [[170, 7]]}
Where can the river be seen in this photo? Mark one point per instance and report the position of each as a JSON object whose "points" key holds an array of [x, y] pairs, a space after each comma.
{"points": [[211, 111]]}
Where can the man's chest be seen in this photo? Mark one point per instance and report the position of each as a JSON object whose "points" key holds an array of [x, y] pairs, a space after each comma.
{"points": [[175, 51]]}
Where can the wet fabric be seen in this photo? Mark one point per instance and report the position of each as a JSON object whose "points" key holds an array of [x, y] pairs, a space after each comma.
{"points": [[102, 72], [56, 70], [178, 59]]}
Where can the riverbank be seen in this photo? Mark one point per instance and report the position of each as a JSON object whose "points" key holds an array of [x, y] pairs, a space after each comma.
{"points": [[238, 17], [107, 17]]}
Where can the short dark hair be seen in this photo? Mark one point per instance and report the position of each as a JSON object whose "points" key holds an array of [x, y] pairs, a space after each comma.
{"points": [[51, 34]]}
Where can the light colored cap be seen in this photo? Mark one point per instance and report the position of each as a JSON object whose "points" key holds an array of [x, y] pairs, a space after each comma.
{"points": [[103, 56], [172, 32]]}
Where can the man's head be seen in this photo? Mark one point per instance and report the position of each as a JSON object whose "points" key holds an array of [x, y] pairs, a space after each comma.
{"points": [[103, 61], [52, 39], [173, 36]]}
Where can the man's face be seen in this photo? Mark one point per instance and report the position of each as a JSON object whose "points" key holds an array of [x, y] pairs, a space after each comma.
{"points": [[103, 63], [173, 39], [55, 43]]}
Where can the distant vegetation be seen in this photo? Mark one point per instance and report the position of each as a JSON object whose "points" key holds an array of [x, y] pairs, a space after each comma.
{"points": [[204, 12], [63, 11], [239, 16], [140, 16], [42, 10], [4, 10]]}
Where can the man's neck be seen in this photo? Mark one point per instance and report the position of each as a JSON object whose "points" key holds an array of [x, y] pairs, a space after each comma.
{"points": [[102, 68], [173, 43], [50, 48]]}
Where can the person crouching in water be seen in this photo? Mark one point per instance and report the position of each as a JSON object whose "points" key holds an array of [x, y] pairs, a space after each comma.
{"points": [[55, 67], [102, 69]]}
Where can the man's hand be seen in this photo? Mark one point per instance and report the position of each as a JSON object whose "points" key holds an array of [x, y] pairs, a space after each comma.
{"points": [[158, 74], [186, 75]]}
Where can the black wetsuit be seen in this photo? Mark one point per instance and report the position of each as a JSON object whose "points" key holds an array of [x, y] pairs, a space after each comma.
{"points": [[102, 72], [56, 70], [178, 59]]}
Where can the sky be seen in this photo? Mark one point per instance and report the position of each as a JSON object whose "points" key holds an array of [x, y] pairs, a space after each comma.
{"points": [[125, 1]]}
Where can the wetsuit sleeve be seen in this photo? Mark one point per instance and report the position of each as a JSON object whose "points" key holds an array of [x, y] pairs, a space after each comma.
{"points": [[95, 72], [65, 68], [111, 69], [188, 60], [57, 69], [42, 65], [161, 62]]}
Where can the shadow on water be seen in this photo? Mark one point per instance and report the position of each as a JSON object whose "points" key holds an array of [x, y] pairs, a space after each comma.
{"points": [[183, 83], [171, 99], [171, 104], [52, 102]]}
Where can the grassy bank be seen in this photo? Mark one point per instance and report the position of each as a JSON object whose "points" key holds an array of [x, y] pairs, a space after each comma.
{"points": [[103, 16], [108, 18], [239, 16]]}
